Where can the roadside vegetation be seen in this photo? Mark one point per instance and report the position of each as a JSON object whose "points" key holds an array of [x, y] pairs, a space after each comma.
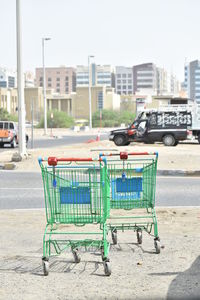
{"points": [[5, 116], [111, 118], [60, 120]]}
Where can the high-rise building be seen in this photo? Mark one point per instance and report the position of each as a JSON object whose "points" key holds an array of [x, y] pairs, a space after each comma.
{"points": [[99, 75], [145, 78], [7, 78], [61, 79], [192, 80], [124, 80]]}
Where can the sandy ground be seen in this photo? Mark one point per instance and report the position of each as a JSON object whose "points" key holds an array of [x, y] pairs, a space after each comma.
{"points": [[185, 156], [137, 272]]}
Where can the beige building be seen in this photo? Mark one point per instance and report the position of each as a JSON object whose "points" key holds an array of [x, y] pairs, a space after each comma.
{"points": [[74, 104], [8, 100], [61, 79], [101, 98]]}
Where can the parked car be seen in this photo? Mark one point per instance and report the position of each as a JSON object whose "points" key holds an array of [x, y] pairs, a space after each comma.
{"points": [[9, 133]]}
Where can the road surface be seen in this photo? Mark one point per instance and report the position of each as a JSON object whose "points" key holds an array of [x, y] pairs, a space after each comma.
{"points": [[24, 190]]}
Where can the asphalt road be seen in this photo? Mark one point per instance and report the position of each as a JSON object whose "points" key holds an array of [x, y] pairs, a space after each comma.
{"points": [[24, 190], [60, 141]]}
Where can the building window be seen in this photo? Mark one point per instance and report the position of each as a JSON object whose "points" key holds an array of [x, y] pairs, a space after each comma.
{"points": [[66, 84], [119, 87], [129, 81], [66, 78], [129, 75], [58, 90], [41, 78], [130, 87], [124, 81], [57, 79], [119, 92], [124, 92], [57, 72], [124, 75], [118, 81], [118, 75], [124, 87], [58, 84], [49, 84], [66, 90], [49, 79], [41, 84]]}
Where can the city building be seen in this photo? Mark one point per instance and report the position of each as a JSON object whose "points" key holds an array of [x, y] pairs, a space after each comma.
{"points": [[29, 79], [8, 100], [7, 78], [145, 79], [99, 75], [192, 80], [102, 97], [124, 80], [61, 79]]}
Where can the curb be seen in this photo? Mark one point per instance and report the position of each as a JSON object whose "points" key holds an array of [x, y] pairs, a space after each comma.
{"points": [[178, 173]]}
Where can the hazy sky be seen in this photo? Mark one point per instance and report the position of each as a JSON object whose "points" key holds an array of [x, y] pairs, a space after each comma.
{"points": [[117, 32]]}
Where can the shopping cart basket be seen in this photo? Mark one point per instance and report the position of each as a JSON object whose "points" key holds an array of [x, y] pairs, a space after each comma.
{"points": [[76, 192], [132, 186]]}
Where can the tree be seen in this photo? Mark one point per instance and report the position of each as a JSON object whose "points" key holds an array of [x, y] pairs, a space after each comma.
{"points": [[5, 116], [60, 120], [112, 118]]}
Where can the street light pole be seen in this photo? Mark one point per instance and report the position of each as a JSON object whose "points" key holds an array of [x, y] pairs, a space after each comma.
{"points": [[89, 92], [20, 86], [44, 86]]}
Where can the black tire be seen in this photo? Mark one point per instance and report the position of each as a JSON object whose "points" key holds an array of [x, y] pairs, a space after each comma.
{"points": [[199, 138], [14, 143], [127, 143], [169, 140], [119, 140], [1, 145]]}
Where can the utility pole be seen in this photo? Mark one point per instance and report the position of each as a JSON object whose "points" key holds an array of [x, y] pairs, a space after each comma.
{"points": [[44, 86], [20, 85], [89, 92]]}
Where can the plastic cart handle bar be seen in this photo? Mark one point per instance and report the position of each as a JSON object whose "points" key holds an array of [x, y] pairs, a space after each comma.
{"points": [[124, 155], [53, 161]]}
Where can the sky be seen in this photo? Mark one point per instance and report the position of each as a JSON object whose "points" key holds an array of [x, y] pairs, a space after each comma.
{"points": [[116, 32]]}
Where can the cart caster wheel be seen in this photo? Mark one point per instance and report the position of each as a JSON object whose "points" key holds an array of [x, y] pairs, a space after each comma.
{"points": [[77, 257], [107, 268], [45, 265], [139, 236], [114, 237], [157, 246]]}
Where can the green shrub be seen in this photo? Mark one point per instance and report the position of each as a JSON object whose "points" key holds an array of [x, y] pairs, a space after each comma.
{"points": [[5, 116], [60, 120], [112, 118]]}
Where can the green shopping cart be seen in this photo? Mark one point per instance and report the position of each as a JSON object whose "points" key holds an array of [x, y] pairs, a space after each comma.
{"points": [[132, 179], [76, 192]]}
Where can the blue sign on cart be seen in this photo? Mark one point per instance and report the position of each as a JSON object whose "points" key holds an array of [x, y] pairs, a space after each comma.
{"points": [[75, 195]]}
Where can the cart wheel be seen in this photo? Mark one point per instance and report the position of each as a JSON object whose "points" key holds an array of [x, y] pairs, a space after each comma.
{"points": [[114, 237], [77, 257], [139, 236], [107, 268], [45, 265], [157, 246]]}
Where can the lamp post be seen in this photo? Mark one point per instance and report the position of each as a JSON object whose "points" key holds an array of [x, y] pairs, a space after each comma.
{"points": [[89, 92], [20, 85], [44, 87]]}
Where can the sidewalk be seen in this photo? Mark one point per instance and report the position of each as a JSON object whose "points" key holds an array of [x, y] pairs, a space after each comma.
{"points": [[137, 272], [183, 159]]}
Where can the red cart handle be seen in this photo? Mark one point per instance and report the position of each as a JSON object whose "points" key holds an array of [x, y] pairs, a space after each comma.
{"points": [[53, 161], [124, 155]]}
